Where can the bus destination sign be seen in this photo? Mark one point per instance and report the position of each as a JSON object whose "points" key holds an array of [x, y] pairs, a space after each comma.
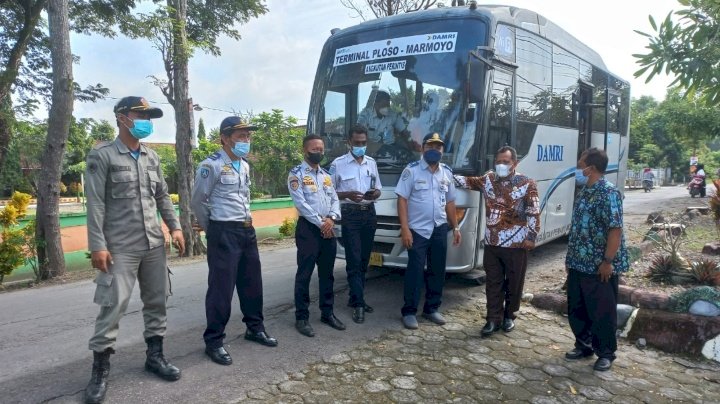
{"points": [[442, 42]]}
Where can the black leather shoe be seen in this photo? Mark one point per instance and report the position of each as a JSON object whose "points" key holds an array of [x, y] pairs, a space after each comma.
{"points": [[602, 364], [260, 337], [577, 353], [219, 355], [304, 328], [508, 325], [490, 327], [333, 322], [359, 315], [368, 308]]}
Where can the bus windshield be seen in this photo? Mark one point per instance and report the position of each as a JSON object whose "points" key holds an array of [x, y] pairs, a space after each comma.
{"points": [[401, 98]]}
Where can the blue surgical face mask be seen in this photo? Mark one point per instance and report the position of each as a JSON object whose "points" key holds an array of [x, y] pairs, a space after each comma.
{"points": [[359, 151], [580, 177], [432, 156], [141, 129], [241, 149]]}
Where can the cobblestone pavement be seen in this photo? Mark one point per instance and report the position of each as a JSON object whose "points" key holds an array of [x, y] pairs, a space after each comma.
{"points": [[451, 363]]}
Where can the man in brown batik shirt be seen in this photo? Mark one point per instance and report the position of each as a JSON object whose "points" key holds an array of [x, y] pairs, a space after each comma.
{"points": [[512, 210]]}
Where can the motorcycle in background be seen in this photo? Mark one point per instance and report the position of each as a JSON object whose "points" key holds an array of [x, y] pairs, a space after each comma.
{"points": [[696, 186], [647, 185]]}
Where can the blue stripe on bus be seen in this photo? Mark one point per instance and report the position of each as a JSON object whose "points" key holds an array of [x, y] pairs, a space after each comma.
{"points": [[565, 175], [568, 173]]}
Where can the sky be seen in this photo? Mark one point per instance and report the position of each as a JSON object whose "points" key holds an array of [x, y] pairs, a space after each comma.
{"points": [[273, 65]]}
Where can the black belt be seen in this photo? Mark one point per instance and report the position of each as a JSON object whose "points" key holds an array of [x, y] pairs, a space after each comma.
{"points": [[363, 206], [237, 223]]}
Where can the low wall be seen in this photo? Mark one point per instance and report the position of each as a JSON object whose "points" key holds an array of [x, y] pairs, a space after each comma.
{"points": [[267, 214]]}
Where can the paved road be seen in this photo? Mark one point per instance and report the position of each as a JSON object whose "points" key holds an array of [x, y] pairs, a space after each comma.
{"points": [[44, 332]]}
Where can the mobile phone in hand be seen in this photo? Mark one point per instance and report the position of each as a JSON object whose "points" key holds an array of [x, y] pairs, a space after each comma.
{"points": [[369, 194]]}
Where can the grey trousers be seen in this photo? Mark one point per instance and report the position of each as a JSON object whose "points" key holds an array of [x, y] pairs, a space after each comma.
{"points": [[114, 288]]}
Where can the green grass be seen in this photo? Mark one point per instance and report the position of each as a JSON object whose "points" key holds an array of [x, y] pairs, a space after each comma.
{"points": [[700, 233]]}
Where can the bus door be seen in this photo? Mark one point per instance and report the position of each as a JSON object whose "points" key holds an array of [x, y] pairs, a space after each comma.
{"points": [[500, 130], [582, 115]]}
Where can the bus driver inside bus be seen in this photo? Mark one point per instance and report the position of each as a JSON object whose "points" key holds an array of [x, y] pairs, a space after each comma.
{"points": [[387, 129]]}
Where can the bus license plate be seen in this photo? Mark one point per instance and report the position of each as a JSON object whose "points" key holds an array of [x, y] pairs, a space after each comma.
{"points": [[376, 259]]}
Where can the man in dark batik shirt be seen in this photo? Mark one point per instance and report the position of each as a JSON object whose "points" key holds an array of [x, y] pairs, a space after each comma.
{"points": [[596, 257]]}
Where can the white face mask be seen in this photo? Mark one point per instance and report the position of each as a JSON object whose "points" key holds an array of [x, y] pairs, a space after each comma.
{"points": [[384, 111], [502, 170]]}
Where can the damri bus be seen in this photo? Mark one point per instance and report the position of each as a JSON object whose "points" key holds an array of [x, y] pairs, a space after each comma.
{"points": [[482, 77]]}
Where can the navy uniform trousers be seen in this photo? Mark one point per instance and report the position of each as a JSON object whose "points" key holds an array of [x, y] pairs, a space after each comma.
{"points": [[313, 249], [592, 313], [234, 263], [358, 231], [432, 251]]}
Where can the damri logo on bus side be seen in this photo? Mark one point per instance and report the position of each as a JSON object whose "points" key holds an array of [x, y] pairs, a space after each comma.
{"points": [[550, 152], [442, 42]]}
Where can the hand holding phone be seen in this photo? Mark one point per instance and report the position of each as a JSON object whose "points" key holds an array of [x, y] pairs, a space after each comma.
{"points": [[369, 195]]}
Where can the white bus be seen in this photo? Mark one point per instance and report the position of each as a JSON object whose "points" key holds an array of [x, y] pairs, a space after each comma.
{"points": [[482, 77]]}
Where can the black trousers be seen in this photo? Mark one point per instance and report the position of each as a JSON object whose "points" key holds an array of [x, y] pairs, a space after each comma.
{"points": [[432, 251], [313, 249], [505, 269], [592, 313], [234, 264], [358, 231]]}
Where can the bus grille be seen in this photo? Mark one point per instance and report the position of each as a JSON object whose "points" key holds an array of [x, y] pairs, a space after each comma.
{"points": [[388, 223], [383, 248]]}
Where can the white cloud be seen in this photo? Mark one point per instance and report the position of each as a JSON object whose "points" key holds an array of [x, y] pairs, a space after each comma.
{"points": [[273, 66]]}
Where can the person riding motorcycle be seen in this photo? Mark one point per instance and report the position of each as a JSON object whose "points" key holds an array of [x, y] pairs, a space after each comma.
{"points": [[697, 184], [647, 179]]}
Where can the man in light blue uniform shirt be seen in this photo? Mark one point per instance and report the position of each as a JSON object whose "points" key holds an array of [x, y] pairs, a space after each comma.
{"points": [[426, 205], [357, 182], [317, 203], [221, 203]]}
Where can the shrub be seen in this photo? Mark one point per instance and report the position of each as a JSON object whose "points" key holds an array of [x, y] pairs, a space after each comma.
{"points": [[706, 272], [175, 198], [74, 188], [666, 269], [287, 228], [15, 247], [63, 189]]}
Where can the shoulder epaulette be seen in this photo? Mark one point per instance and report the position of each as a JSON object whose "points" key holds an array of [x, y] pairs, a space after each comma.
{"points": [[447, 167], [296, 168], [413, 164], [102, 144], [369, 158], [214, 156]]}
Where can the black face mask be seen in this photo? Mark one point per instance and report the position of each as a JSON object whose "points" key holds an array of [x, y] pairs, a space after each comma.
{"points": [[315, 158]]}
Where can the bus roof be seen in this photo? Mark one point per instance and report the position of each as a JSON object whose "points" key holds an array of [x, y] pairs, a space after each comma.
{"points": [[514, 16]]}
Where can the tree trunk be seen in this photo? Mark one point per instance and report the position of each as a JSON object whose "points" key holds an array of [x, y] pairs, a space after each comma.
{"points": [[183, 131], [47, 230]]}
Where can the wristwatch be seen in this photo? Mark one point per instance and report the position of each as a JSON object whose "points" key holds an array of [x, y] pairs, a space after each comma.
{"points": [[332, 216], [456, 229], [608, 260]]}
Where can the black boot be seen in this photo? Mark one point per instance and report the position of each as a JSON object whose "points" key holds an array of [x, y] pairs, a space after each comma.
{"points": [[156, 362], [97, 387]]}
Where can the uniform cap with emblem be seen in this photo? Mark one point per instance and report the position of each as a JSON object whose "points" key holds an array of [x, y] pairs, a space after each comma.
{"points": [[233, 123], [432, 138], [138, 104]]}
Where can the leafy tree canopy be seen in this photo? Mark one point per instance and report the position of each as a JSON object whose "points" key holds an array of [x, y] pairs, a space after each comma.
{"points": [[686, 44]]}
